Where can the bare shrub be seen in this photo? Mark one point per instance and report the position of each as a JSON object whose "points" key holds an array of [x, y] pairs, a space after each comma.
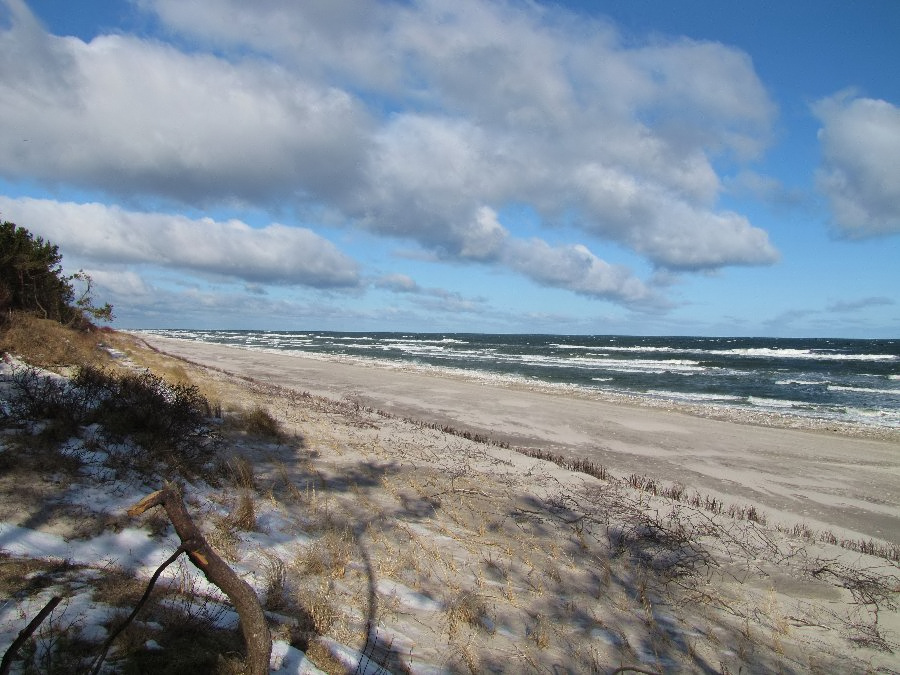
{"points": [[148, 420], [169, 421]]}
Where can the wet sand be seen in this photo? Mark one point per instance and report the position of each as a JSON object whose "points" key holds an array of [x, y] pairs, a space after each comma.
{"points": [[848, 484]]}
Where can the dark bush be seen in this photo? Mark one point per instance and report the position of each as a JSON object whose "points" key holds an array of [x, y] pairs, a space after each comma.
{"points": [[169, 422], [152, 422]]}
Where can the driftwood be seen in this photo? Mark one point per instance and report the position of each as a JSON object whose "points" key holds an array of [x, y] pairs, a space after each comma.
{"points": [[242, 596]]}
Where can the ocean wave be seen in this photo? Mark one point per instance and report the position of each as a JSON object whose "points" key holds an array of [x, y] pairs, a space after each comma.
{"points": [[424, 341], [749, 374], [617, 365], [746, 352], [765, 402], [642, 349], [696, 397], [864, 390]]}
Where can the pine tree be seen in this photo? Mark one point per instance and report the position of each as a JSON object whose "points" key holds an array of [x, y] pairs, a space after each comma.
{"points": [[32, 280]]}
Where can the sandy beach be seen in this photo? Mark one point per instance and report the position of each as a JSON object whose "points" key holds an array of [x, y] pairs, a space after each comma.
{"points": [[836, 481]]}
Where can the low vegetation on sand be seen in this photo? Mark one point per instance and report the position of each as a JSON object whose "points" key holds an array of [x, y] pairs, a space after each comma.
{"points": [[373, 544]]}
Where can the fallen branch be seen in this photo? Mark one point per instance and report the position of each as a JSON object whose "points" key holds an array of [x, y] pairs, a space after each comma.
{"points": [[242, 596]]}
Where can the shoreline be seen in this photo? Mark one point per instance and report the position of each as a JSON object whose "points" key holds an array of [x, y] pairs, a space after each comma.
{"points": [[826, 477], [714, 411]]}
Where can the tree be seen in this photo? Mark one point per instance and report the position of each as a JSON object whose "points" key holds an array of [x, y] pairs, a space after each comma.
{"points": [[32, 280]]}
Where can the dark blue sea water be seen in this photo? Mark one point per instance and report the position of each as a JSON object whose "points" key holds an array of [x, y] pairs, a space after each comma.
{"points": [[855, 381]]}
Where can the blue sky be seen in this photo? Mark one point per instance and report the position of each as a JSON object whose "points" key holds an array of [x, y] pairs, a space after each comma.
{"points": [[635, 167]]}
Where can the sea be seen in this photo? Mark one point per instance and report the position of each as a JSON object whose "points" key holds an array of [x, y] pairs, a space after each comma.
{"points": [[833, 380]]}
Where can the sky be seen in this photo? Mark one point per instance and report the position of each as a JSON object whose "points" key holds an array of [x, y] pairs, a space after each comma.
{"points": [[504, 166]]}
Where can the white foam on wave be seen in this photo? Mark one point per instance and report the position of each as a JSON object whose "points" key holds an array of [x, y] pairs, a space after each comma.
{"points": [[658, 366], [424, 341], [815, 355], [751, 352], [864, 390], [695, 396], [780, 403]]}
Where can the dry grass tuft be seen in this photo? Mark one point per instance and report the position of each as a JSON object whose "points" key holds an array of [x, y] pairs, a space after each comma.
{"points": [[466, 609], [257, 421], [241, 472], [324, 659], [243, 516], [276, 582], [328, 556], [539, 632], [316, 614]]}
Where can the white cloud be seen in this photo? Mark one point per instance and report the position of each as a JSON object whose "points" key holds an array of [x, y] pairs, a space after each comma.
{"points": [[417, 120], [576, 269], [860, 171], [432, 299], [136, 117], [671, 232], [276, 254], [521, 101], [121, 283]]}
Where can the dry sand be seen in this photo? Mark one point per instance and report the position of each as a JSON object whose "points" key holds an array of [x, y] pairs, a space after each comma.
{"points": [[848, 484]]}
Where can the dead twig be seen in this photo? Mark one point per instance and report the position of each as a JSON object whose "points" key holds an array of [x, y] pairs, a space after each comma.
{"points": [[101, 657], [25, 633]]}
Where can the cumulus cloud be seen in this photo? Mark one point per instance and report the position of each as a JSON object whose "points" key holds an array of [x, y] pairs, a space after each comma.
{"points": [[860, 173], [415, 120], [576, 269], [134, 117], [276, 254]]}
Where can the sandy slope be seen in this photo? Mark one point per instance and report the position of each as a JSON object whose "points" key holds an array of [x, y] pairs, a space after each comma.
{"points": [[434, 553], [837, 481]]}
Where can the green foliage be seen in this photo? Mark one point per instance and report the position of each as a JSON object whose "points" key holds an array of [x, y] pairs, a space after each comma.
{"points": [[32, 280]]}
